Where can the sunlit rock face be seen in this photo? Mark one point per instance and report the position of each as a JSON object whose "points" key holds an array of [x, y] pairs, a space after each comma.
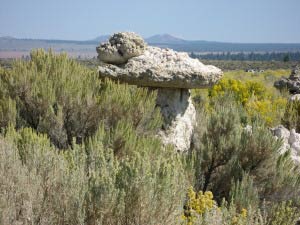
{"points": [[168, 72]]}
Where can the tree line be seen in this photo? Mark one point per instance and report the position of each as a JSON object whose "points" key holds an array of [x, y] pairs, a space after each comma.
{"points": [[253, 56]]}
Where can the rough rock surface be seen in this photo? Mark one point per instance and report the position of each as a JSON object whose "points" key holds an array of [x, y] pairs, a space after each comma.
{"points": [[292, 83], [179, 117], [121, 47], [163, 68], [291, 140]]}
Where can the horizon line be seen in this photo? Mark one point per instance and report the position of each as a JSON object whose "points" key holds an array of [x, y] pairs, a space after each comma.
{"points": [[180, 39]]}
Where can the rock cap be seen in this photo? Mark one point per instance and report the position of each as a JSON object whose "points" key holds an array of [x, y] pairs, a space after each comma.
{"points": [[163, 68]]}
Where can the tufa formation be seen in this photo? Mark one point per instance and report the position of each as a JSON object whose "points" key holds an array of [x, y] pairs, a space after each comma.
{"points": [[126, 58]]}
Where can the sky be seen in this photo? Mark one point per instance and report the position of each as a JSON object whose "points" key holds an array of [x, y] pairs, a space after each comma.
{"points": [[250, 21]]}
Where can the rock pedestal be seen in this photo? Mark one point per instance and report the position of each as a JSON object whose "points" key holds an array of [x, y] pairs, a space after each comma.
{"points": [[179, 116]]}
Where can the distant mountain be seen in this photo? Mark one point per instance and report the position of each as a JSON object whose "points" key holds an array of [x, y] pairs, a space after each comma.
{"points": [[155, 39], [7, 38], [87, 47], [100, 39], [16, 48], [164, 39]]}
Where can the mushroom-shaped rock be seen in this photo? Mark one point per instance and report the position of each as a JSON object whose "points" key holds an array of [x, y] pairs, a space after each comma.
{"points": [[171, 74], [292, 83], [121, 47], [163, 68]]}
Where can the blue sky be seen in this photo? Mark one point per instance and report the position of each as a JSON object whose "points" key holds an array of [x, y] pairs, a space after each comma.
{"points": [[212, 20]]}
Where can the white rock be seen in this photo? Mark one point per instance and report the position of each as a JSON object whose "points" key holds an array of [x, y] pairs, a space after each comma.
{"points": [[296, 146], [296, 159], [291, 141], [248, 128], [295, 97], [163, 68], [284, 148], [180, 116], [281, 132], [121, 47], [294, 137]]}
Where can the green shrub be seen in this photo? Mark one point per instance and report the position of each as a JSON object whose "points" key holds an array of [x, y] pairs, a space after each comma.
{"points": [[37, 186], [224, 150], [131, 104], [65, 100], [8, 111], [242, 91], [243, 193], [282, 214], [89, 184], [257, 99], [218, 144], [291, 118], [144, 186], [56, 96], [113, 169], [200, 208]]}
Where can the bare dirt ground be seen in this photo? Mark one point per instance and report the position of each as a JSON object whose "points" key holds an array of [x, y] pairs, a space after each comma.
{"points": [[20, 54]]}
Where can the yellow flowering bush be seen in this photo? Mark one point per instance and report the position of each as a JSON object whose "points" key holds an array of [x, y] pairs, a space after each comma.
{"points": [[283, 213], [270, 110], [244, 213], [242, 91], [197, 204], [268, 77], [255, 97], [200, 202], [201, 208], [239, 218]]}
